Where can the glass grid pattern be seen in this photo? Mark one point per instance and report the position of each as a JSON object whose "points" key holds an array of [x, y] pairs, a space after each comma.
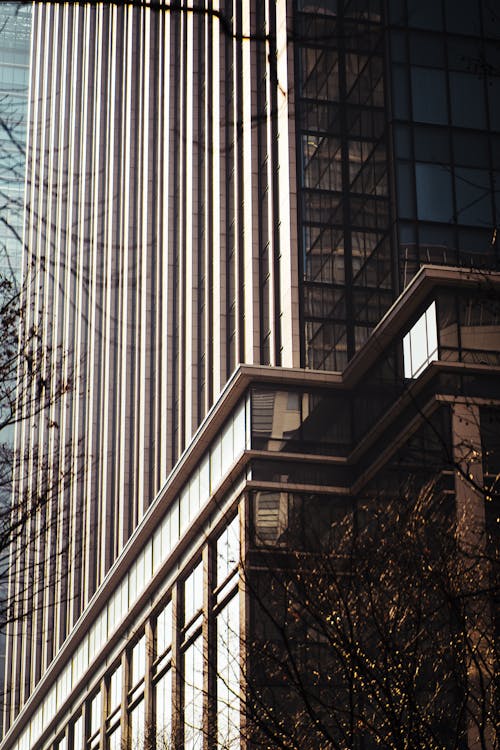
{"points": [[232, 440], [104, 704], [15, 39], [445, 93], [343, 179]]}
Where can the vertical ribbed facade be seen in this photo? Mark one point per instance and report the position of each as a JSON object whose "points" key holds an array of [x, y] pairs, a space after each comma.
{"points": [[159, 255], [212, 184]]}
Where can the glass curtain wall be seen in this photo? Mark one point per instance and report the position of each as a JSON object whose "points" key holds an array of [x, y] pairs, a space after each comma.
{"points": [[343, 177], [445, 66], [15, 40]]}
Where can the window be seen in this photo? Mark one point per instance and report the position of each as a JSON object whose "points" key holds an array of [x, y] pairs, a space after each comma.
{"points": [[164, 629], [425, 14], [193, 697], [115, 739], [95, 713], [164, 710], [78, 737], [420, 345], [473, 191], [193, 593], [434, 192], [270, 518], [228, 676], [95, 719], [228, 551], [138, 660], [429, 95], [115, 690], [467, 100], [137, 726]]}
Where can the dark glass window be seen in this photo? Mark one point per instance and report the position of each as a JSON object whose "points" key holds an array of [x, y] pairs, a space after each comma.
{"points": [[318, 6], [400, 98], [406, 192], [319, 74], [322, 162], [425, 14], [429, 97], [467, 100], [432, 144], [434, 192], [437, 243], [491, 25], [402, 142], [427, 49], [473, 192], [494, 99], [462, 16], [464, 54], [470, 150], [291, 421], [398, 47], [397, 13], [496, 188]]}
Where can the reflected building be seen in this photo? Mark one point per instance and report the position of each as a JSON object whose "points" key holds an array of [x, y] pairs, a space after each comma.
{"points": [[15, 38], [264, 238]]}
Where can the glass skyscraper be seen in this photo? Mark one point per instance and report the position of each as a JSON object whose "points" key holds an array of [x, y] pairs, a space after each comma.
{"points": [[261, 250], [15, 39]]}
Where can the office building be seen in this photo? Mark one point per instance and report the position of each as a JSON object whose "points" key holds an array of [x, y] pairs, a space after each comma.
{"points": [[15, 34], [15, 24], [261, 244]]}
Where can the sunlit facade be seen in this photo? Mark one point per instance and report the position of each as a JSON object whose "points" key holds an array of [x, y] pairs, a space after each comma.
{"points": [[15, 36], [235, 254], [15, 39]]}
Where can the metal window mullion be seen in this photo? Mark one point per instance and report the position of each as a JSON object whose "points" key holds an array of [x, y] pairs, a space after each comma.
{"points": [[177, 670], [124, 720], [148, 685], [344, 138], [209, 651]]}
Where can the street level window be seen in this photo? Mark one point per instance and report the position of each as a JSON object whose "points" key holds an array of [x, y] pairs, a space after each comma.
{"points": [[420, 345]]}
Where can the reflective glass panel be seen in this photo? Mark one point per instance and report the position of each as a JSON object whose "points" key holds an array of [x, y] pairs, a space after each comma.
{"points": [[228, 550], [429, 95], [115, 740], [115, 689], [164, 629], [473, 194], [420, 345], [137, 726], [467, 100], [138, 660], [228, 677], [95, 713], [164, 711], [434, 192], [193, 697], [193, 593]]}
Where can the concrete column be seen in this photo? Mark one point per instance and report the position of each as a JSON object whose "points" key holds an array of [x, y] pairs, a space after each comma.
{"points": [[473, 573]]}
